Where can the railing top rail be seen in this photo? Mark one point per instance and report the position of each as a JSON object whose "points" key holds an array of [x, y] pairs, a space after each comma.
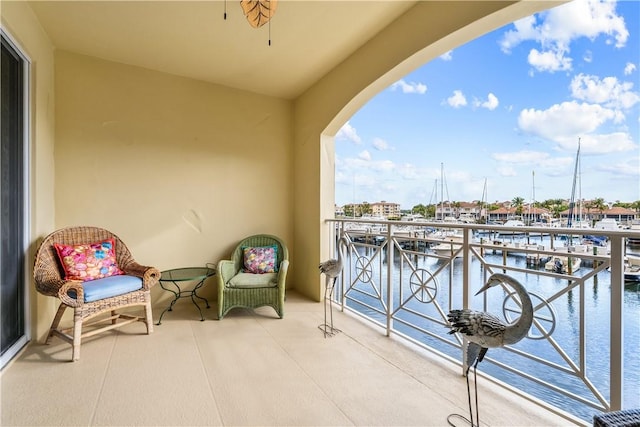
{"points": [[464, 226]]}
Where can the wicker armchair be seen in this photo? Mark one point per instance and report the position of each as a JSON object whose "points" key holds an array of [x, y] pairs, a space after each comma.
{"points": [[238, 288], [50, 280]]}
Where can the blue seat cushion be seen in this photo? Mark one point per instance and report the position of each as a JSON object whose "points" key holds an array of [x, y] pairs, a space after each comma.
{"points": [[108, 287]]}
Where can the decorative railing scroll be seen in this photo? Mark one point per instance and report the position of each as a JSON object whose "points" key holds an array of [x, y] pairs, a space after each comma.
{"points": [[405, 277]]}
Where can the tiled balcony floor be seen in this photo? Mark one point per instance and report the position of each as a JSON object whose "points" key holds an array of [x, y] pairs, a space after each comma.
{"points": [[248, 369]]}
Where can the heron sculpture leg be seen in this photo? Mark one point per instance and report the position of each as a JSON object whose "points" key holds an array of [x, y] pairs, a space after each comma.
{"points": [[475, 354], [333, 330], [328, 328], [475, 385]]}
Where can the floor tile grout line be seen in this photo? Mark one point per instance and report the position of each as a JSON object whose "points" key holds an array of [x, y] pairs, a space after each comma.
{"points": [[104, 380], [206, 374], [306, 373]]}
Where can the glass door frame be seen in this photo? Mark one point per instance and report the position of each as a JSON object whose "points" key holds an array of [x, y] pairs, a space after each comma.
{"points": [[10, 353]]}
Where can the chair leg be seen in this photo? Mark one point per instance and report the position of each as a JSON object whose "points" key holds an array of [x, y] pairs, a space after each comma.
{"points": [[56, 322], [113, 314], [77, 335], [220, 304], [148, 316]]}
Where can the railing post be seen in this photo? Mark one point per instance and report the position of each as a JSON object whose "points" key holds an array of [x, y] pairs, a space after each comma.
{"points": [[617, 324], [466, 283], [390, 247], [339, 231]]}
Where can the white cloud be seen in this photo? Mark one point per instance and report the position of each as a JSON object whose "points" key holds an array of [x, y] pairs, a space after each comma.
{"points": [[558, 27], [383, 166], [550, 60], [365, 155], [522, 157], [380, 144], [605, 143], [410, 87], [629, 68], [526, 160], [588, 56], [457, 100], [447, 56], [525, 29], [506, 171], [627, 168], [565, 123], [608, 91], [349, 133], [409, 171], [490, 104]]}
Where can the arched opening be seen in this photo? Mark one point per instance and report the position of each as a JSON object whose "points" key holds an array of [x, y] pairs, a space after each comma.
{"points": [[426, 31]]}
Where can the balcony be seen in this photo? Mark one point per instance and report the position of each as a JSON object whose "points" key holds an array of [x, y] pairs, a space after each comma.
{"points": [[404, 277], [249, 369], [393, 364]]}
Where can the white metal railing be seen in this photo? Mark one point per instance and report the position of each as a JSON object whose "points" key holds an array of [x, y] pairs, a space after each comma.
{"points": [[406, 276]]}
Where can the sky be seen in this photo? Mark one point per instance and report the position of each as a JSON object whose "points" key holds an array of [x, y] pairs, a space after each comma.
{"points": [[501, 117]]}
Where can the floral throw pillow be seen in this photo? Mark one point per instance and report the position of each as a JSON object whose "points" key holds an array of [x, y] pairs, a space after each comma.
{"points": [[259, 260], [88, 262]]}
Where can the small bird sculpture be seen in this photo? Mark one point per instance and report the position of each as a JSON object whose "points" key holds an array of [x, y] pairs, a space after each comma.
{"points": [[331, 270], [484, 330]]}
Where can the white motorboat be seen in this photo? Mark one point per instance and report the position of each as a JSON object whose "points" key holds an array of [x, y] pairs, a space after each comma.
{"points": [[560, 264], [450, 242], [632, 268], [512, 223]]}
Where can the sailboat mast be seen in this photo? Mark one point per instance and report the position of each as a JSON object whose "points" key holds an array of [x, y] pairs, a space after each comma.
{"points": [[441, 191], [533, 197], [580, 187], [483, 202], [573, 187]]}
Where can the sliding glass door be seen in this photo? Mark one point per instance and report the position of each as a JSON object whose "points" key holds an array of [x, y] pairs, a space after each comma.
{"points": [[14, 332]]}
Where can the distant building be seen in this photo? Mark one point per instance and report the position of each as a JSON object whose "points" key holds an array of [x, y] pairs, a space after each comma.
{"points": [[385, 209], [529, 214], [621, 215], [464, 211], [381, 209]]}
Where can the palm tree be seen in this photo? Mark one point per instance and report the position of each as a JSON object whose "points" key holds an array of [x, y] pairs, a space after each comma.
{"points": [[518, 202], [365, 208], [481, 205], [419, 209], [430, 211], [456, 207], [349, 210], [600, 205]]}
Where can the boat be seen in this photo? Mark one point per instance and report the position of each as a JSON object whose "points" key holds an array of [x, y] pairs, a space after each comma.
{"points": [[560, 264], [450, 243], [600, 241], [512, 223], [608, 224], [632, 268], [635, 226]]}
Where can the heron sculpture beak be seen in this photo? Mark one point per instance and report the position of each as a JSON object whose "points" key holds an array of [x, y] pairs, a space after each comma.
{"points": [[484, 288], [490, 283]]}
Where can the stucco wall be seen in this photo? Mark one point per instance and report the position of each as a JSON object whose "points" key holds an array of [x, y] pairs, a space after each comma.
{"points": [[22, 26], [181, 170]]}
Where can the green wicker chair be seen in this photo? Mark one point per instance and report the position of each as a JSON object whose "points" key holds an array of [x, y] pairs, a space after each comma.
{"points": [[239, 288], [92, 298]]}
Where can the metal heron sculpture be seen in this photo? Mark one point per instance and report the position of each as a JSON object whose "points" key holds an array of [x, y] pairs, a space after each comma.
{"points": [[331, 270], [484, 330]]}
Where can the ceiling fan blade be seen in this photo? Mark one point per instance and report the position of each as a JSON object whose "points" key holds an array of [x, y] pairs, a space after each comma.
{"points": [[258, 12]]}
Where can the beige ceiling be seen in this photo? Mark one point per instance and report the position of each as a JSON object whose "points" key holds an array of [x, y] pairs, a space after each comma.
{"points": [[192, 38]]}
